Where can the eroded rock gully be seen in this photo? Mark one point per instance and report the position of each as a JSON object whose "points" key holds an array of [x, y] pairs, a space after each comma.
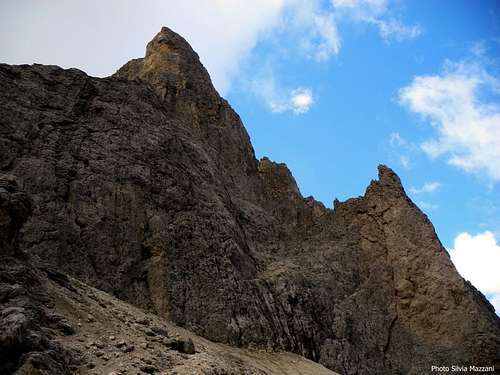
{"points": [[145, 186]]}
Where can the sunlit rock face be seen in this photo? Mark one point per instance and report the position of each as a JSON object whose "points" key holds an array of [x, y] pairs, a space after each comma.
{"points": [[145, 185]]}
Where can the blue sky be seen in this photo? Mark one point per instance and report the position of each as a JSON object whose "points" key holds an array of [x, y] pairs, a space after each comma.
{"points": [[330, 87]]}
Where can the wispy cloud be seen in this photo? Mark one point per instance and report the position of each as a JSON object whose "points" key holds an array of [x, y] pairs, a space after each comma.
{"points": [[393, 29], [427, 187], [427, 206], [329, 43], [362, 9], [405, 161], [467, 126], [313, 27], [280, 99], [477, 258], [397, 140], [377, 13], [402, 148]]}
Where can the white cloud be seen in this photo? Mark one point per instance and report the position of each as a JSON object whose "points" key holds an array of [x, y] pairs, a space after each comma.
{"points": [[428, 187], [377, 12], [301, 100], [395, 29], [279, 99], [477, 259], [468, 128]]}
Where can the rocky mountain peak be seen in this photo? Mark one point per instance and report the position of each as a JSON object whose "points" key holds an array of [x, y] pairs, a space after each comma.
{"points": [[171, 67], [171, 45], [388, 177], [388, 186], [145, 185]]}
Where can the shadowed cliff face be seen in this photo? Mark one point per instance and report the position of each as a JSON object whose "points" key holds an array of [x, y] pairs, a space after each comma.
{"points": [[145, 185], [25, 346]]}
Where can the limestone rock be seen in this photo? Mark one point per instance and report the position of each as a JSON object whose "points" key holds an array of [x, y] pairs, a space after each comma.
{"points": [[145, 185]]}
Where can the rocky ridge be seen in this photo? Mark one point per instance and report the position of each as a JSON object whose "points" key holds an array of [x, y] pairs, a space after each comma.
{"points": [[145, 185]]}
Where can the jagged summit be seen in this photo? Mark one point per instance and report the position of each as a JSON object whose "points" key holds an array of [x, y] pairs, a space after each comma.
{"points": [[388, 183], [387, 176], [146, 186], [172, 68]]}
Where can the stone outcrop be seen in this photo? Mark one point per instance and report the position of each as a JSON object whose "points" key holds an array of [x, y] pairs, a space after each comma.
{"points": [[145, 185]]}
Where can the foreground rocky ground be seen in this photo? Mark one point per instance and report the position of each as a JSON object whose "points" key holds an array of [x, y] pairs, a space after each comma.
{"points": [[114, 337], [145, 186]]}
